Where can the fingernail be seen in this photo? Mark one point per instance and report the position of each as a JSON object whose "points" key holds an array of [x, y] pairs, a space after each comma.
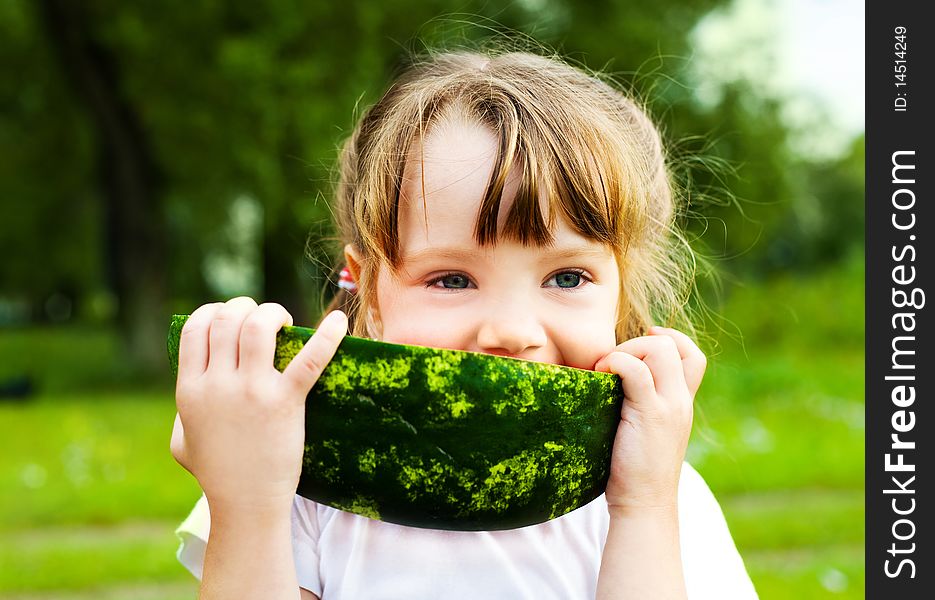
{"points": [[335, 319]]}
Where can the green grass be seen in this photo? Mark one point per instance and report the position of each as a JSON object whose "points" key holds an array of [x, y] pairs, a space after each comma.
{"points": [[90, 496], [61, 360], [90, 459], [80, 557], [779, 432], [809, 572]]}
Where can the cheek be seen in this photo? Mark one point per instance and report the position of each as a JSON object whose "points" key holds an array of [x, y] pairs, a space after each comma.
{"points": [[409, 319], [419, 328], [582, 346], [589, 337]]}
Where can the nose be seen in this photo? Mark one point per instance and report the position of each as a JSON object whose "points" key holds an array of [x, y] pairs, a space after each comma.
{"points": [[510, 328]]}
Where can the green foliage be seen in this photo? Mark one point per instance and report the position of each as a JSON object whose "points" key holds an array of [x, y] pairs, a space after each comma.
{"points": [[756, 204], [50, 229]]}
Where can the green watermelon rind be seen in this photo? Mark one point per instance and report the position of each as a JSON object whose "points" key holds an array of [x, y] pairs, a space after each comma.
{"points": [[448, 439]]}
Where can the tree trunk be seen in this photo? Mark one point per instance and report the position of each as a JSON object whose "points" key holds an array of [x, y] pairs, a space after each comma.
{"points": [[135, 247], [283, 248]]}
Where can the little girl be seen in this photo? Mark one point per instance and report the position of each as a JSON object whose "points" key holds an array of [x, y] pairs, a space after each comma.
{"points": [[503, 203]]}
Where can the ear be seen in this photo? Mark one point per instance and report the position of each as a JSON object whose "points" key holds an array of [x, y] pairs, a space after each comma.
{"points": [[352, 258], [373, 323]]}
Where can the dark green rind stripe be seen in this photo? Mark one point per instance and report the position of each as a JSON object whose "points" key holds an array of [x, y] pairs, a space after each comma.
{"points": [[447, 439]]}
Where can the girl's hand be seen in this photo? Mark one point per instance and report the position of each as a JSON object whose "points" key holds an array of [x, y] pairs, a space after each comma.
{"points": [[240, 427], [661, 373]]}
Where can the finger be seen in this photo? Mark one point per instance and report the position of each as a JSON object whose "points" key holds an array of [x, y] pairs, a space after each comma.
{"points": [[193, 341], [258, 336], [224, 336], [662, 357], [694, 361], [307, 365], [637, 380]]}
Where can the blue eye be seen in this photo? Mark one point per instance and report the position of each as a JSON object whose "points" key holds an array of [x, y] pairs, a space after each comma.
{"points": [[569, 279], [451, 281]]}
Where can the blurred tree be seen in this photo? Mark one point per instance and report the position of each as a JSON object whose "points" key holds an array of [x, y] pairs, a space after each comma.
{"points": [[129, 180], [764, 206], [834, 228], [50, 222]]}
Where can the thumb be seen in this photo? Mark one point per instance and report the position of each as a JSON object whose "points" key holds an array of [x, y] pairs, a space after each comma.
{"points": [[603, 365], [306, 367]]}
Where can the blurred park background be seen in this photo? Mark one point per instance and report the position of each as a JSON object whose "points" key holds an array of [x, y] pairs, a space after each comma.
{"points": [[158, 155]]}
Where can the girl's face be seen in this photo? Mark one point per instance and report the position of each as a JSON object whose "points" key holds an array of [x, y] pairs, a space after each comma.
{"points": [[554, 304]]}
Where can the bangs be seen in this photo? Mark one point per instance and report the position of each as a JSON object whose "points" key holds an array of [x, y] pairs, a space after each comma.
{"points": [[574, 188], [552, 162], [581, 151]]}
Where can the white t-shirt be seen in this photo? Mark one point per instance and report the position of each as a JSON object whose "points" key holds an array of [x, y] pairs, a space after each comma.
{"points": [[343, 556]]}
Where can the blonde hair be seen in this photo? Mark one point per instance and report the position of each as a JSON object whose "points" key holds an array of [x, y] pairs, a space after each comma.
{"points": [[595, 152]]}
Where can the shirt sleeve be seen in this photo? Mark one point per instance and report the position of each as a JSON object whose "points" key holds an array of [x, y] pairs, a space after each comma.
{"points": [[711, 563], [305, 535], [194, 530], [193, 538]]}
